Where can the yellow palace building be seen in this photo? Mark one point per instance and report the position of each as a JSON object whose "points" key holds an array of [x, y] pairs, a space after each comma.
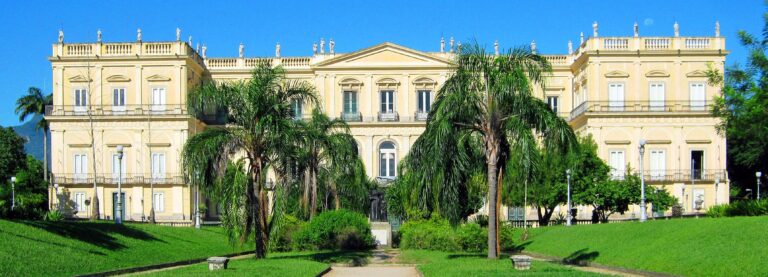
{"points": [[133, 94]]}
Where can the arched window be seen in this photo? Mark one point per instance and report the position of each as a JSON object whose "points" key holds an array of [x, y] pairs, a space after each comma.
{"points": [[387, 158]]}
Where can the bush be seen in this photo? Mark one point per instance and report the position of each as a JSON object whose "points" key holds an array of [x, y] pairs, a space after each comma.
{"points": [[506, 235], [472, 237], [53, 216], [718, 211], [283, 241], [677, 210], [481, 220], [335, 230], [740, 208]]}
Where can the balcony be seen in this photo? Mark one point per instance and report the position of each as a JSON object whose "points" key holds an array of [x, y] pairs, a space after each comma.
{"points": [[704, 175], [109, 110], [112, 179], [641, 107], [351, 117], [421, 116], [388, 116]]}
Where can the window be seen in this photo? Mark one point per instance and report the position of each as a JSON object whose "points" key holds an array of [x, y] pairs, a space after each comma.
{"points": [[697, 164], [350, 102], [658, 164], [158, 99], [118, 167], [158, 166], [617, 164], [552, 102], [515, 213], [656, 96], [616, 97], [387, 101], [81, 100], [158, 202], [81, 168], [424, 100], [387, 160], [698, 98], [79, 200], [296, 109], [118, 99]]}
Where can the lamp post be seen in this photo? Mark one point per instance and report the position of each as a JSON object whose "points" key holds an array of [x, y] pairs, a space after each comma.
{"points": [[197, 207], [13, 192], [758, 175], [569, 217], [56, 193], [717, 188], [119, 215], [643, 214]]}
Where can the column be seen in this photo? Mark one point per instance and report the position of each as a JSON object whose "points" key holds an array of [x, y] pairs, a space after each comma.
{"points": [[332, 91], [406, 95], [371, 97]]}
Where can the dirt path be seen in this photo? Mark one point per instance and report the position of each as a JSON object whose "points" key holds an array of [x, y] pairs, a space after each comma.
{"points": [[381, 263]]}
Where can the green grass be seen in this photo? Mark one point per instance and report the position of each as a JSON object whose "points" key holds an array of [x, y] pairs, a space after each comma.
{"points": [[434, 263], [37, 248], [283, 264], [736, 246]]}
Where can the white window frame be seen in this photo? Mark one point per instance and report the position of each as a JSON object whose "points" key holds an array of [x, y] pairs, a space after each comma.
{"points": [[385, 156], [79, 199], [657, 163], [423, 100], [80, 100], [387, 104], [158, 200], [617, 173], [616, 100], [697, 102], [556, 107], [118, 99], [353, 95], [657, 96], [80, 168], [157, 165], [158, 102]]}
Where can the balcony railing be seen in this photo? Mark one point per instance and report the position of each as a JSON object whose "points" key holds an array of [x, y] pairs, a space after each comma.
{"points": [[110, 110], [421, 116], [351, 117], [708, 175], [641, 106], [112, 178], [388, 116]]}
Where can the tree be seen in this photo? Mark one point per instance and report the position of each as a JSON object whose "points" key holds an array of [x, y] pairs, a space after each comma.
{"points": [[742, 107], [328, 147], [12, 157], [487, 100], [31, 191], [260, 122], [34, 103], [545, 182]]}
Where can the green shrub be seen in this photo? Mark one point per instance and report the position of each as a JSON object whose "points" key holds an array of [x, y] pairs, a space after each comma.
{"points": [[718, 211], [740, 208], [432, 234], [53, 216], [677, 210], [335, 230], [472, 237], [282, 241], [481, 220], [507, 237]]}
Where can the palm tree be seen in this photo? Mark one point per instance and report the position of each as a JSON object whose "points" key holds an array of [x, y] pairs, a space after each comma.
{"points": [[488, 99], [329, 147], [259, 122], [34, 104]]}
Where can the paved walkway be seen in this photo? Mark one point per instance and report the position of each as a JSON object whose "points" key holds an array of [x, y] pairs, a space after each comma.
{"points": [[373, 271]]}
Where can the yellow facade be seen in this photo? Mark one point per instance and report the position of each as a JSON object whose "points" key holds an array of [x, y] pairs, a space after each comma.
{"points": [[619, 89]]}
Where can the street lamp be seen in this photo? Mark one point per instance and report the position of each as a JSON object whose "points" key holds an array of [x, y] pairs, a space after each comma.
{"points": [[58, 199], [643, 214], [13, 192], [119, 215], [717, 187], [758, 174], [568, 175]]}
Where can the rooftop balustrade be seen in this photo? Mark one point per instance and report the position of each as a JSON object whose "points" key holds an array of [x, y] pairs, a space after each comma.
{"points": [[125, 49]]}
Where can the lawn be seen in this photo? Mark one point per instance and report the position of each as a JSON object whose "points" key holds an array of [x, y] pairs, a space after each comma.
{"points": [[277, 264], [434, 263], [734, 246], [37, 248]]}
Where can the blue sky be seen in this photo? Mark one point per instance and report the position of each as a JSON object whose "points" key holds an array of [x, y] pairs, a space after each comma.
{"points": [[28, 28]]}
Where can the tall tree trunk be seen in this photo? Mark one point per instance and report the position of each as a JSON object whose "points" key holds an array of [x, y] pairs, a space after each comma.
{"points": [[305, 198], [259, 211], [498, 209], [335, 194], [492, 155], [313, 195]]}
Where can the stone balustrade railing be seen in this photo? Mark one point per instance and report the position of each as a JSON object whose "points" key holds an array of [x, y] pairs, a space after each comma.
{"points": [[557, 59], [247, 63], [176, 48], [651, 44]]}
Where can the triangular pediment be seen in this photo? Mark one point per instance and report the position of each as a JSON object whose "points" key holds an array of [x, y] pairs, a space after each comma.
{"points": [[617, 74], [79, 79], [386, 55], [696, 73], [158, 78], [118, 78]]}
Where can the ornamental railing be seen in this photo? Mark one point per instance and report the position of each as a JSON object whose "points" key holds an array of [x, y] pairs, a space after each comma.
{"points": [[114, 178], [616, 44], [111, 110], [351, 117], [125, 49], [388, 116], [702, 106]]}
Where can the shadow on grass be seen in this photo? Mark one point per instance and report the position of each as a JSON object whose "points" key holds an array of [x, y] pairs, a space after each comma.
{"points": [[352, 258], [520, 247], [581, 257], [468, 255], [99, 234], [54, 243]]}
